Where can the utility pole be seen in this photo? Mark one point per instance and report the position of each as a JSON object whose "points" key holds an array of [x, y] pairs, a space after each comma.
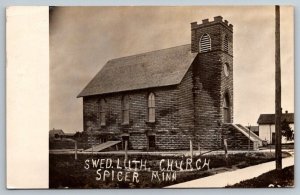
{"points": [[277, 90], [270, 146], [191, 149]]}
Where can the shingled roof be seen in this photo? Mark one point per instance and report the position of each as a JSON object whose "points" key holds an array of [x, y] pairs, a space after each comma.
{"points": [[152, 69], [270, 118]]}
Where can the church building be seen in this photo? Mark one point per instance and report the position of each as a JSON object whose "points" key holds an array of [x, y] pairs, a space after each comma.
{"points": [[162, 100]]}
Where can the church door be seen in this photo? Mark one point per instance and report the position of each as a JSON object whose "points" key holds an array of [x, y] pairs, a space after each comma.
{"points": [[124, 139], [151, 141]]}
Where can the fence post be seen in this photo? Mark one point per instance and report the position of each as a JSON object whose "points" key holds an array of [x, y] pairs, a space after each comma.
{"points": [[92, 149], [126, 154], [191, 148], [249, 142], [75, 150], [226, 151]]}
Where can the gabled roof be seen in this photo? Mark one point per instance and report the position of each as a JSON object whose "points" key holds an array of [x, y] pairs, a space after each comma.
{"points": [[152, 69], [56, 131], [270, 118]]}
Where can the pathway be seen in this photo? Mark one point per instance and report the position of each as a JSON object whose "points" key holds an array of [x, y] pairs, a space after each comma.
{"points": [[229, 178]]}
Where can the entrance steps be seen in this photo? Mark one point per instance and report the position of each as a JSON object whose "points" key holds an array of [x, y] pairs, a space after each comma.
{"points": [[100, 147], [241, 138], [252, 135]]}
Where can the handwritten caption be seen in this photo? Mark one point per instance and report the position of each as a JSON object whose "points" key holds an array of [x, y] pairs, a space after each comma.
{"points": [[108, 169]]}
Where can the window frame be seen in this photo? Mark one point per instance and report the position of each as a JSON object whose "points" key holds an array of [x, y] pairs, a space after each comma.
{"points": [[201, 43], [125, 110], [151, 108], [102, 112], [226, 108], [226, 69]]}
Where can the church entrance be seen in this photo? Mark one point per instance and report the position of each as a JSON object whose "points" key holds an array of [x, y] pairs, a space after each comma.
{"points": [[151, 142], [125, 139]]}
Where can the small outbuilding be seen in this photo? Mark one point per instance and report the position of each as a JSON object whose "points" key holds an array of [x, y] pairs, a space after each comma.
{"points": [[56, 133], [266, 125]]}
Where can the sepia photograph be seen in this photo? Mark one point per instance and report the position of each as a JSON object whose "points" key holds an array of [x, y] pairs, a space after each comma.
{"points": [[171, 97]]}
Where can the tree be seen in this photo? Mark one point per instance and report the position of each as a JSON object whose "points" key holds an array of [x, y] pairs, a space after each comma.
{"points": [[286, 130], [77, 134]]}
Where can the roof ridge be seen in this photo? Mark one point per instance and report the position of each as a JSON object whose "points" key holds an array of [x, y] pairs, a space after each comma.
{"points": [[147, 52]]}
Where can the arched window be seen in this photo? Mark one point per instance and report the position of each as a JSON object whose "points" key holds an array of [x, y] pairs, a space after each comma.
{"points": [[151, 107], [205, 43], [226, 43], [226, 109], [226, 69], [102, 112], [125, 110]]}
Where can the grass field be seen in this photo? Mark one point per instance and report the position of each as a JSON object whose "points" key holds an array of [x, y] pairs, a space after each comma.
{"points": [[65, 172]]}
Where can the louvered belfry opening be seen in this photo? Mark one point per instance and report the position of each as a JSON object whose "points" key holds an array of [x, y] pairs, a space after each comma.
{"points": [[205, 43], [226, 44]]}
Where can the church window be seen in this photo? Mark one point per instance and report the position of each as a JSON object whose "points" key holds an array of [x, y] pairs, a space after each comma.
{"points": [[205, 43], [125, 110], [226, 109], [102, 112], [226, 69], [151, 108]]}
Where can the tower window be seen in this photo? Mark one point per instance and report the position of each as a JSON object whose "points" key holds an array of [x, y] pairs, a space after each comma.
{"points": [[226, 43], [151, 108], [125, 110], [102, 112], [226, 69], [205, 43]]}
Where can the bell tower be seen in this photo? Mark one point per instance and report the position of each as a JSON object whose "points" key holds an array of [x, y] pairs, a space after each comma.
{"points": [[212, 77]]}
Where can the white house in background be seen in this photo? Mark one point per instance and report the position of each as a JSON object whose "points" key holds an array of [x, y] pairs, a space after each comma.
{"points": [[56, 133], [266, 125]]}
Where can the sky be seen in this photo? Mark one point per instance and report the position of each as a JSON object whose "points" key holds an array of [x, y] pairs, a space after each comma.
{"points": [[83, 39]]}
